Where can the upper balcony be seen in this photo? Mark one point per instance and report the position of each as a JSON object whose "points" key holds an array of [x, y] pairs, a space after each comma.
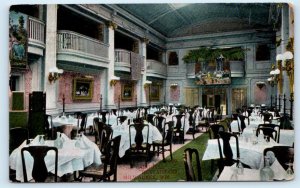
{"points": [[75, 47], [36, 36], [237, 69], [123, 59], [156, 69]]}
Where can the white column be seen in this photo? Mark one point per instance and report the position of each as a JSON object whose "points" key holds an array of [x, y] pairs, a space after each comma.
{"points": [[50, 58], [142, 94], [111, 69]]}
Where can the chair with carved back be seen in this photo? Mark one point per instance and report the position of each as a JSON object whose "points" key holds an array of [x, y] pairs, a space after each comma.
{"points": [[167, 135], [17, 136], [39, 171], [203, 119], [268, 133], [191, 156], [272, 126], [159, 122], [150, 118], [48, 131], [179, 127], [192, 123], [98, 126], [121, 119], [139, 143], [284, 155], [225, 150], [109, 164]]}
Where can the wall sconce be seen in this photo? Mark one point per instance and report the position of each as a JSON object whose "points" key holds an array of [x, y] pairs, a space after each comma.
{"points": [[113, 80], [54, 74], [274, 75], [260, 84], [174, 85], [287, 64], [147, 83]]}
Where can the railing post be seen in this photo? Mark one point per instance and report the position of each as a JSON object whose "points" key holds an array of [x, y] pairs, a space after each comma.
{"points": [[136, 101], [292, 106], [119, 102], [275, 102], [284, 100], [271, 101], [279, 102], [63, 100], [101, 102]]}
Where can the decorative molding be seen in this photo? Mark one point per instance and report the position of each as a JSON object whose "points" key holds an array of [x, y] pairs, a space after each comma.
{"points": [[112, 25]]}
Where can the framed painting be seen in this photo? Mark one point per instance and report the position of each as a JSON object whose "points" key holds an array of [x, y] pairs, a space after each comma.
{"points": [[154, 92], [127, 91], [83, 88]]}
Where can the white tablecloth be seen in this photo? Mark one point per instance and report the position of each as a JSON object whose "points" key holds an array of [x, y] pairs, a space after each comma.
{"points": [[287, 137], [250, 154], [123, 130], [251, 174], [70, 158]]}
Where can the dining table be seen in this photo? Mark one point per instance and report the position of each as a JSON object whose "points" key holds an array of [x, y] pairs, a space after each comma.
{"points": [[251, 152], [231, 173], [66, 123], [123, 130], [73, 155]]}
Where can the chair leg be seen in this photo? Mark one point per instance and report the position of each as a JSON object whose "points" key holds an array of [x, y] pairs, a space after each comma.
{"points": [[163, 153], [171, 151]]}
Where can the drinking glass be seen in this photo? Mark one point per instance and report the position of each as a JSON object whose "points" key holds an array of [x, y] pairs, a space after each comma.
{"points": [[289, 172]]}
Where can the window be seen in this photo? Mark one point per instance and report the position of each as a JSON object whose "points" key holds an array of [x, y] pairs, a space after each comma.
{"points": [[173, 58], [14, 83], [262, 52]]}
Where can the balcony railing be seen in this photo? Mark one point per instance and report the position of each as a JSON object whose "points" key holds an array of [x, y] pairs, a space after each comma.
{"points": [[122, 57], [72, 41], [36, 30], [156, 67]]}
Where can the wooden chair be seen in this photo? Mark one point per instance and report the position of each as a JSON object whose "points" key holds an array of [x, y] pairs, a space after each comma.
{"points": [[83, 122], [39, 170], [214, 131], [203, 119], [167, 140], [109, 165], [192, 122], [179, 127], [121, 119], [150, 118], [226, 154], [268, 132], [191, 174], [98, 126], [159, 122], [284, 154], [140, 147], [272, 126], [17, 136], [48, 131]]}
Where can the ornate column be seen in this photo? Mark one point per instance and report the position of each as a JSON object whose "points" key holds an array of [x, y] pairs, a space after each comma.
{"points": [[109, 91], [50, 58], [142, 98]]}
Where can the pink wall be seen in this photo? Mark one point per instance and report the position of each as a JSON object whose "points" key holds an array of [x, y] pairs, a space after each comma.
{"points": [[260, 95], [174, 94], [28, 80], [117, 94], [66, 88]]}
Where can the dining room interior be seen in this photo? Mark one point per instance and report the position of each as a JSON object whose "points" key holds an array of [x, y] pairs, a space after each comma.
{"points": [[168, 92]]}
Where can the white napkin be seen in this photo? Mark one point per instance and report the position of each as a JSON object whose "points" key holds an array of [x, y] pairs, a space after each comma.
{"points": [[279, 172]]}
